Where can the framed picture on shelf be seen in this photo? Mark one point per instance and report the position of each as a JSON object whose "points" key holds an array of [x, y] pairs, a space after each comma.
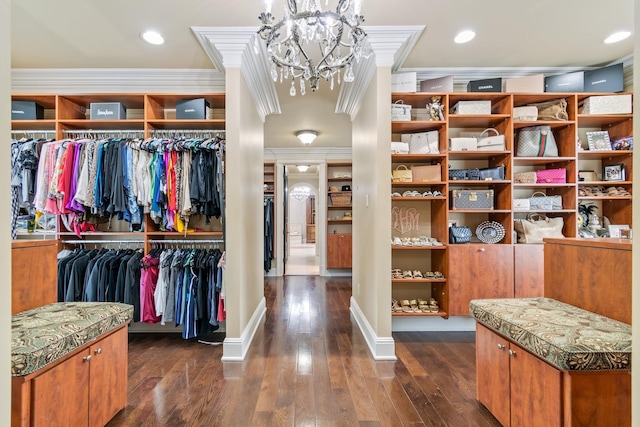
{"points": [[598, 141], [613, 172], [615, 230], [624, 143]]}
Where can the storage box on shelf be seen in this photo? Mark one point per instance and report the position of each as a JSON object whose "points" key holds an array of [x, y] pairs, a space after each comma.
{"points": [[339, 215], [160, 112], [48, 121], [73, 112]]}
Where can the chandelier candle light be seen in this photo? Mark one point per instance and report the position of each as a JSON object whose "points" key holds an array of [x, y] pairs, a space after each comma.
{"points": [[338, 36]]}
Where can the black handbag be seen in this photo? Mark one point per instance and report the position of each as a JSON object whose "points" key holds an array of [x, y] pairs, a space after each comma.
{"points": [[459, 234], [457, 174], [490, 174]]}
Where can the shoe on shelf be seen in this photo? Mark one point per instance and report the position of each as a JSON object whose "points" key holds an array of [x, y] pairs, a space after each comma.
{"points": [[427, 194], [437, 193], [435, 241], [396, 194], [397, 241], [438, 275], [407, 274], [424, 241], [396, 273], [395, 306], [406, 306], [414, 306], [417, 274], [415, 241]]}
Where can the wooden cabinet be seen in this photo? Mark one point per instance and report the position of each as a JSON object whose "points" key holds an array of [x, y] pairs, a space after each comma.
{"points": [[34, 272], [518, 388], [528, 271], [593, 274], [478, 271], [339, 253], [86, 388], [339, 215]]}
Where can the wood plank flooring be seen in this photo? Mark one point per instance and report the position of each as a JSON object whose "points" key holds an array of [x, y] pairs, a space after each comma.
{"points": [[308, 366]]}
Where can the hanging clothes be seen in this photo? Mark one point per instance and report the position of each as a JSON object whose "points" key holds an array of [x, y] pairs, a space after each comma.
{"points": [[268, 233]]}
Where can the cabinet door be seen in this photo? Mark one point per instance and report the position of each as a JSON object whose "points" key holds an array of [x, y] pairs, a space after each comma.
{"points": [[339, 251], [61, 395], [492, 373], [535, 391], [478, 271], [108, 384], [528, 271]]}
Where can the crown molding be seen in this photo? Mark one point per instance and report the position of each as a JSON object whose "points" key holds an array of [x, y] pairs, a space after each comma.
{"points": [[390, 45], [307, 155], [462, 75], [238, 47], [115, 80]]}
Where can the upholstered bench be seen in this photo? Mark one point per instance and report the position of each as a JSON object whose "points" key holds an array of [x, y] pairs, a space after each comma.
{"points": [[60, 354], [560, 364]]}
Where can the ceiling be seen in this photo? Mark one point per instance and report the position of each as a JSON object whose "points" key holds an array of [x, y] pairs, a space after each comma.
{"points": [[79, 34]]}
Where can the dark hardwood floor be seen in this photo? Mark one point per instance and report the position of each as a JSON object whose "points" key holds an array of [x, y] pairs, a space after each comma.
{"points": [[308, 366]]}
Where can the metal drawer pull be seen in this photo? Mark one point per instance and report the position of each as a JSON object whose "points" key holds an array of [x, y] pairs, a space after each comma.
{"points": [[512, 353], [501, 347], [87, 358], [98, 351]]}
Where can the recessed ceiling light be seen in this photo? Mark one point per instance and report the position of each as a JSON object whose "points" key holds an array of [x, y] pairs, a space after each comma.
{"points": [[616, 37], [464, 36], [152, 37]]}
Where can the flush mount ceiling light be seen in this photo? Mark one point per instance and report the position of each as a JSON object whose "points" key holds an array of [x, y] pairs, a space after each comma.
{"points": [[152, 37], [306, 136], [617, 37], [464, 36], [303, 168], [309, 44]]}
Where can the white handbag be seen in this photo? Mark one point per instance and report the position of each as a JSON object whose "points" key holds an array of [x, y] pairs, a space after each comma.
{"points": [[463, 144], [528, 113], [400, 111], [422, 142], [488, 142], [399, 147], [521, 205]]}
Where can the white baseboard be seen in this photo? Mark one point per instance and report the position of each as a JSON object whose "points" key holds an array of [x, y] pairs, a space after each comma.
{"points": [[235, 349], [381, 348], [433, 324]]}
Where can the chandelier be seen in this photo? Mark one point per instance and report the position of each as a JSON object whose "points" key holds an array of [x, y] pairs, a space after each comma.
{"points": [[300, 193], [292, 42]]}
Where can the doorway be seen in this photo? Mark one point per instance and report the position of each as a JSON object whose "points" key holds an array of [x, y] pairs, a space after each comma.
{"points": [[302, 200]]}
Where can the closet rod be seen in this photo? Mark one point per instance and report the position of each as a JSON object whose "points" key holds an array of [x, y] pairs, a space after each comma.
{"points": [[188, 241], [103, 131], [32, 132], [102, 242]]}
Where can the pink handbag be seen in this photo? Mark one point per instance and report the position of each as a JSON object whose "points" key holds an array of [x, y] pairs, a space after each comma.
{"points": [[551, 176]]}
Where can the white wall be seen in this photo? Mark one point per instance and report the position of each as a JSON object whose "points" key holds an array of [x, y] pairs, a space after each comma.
{"points": [[244, 278], [372, 205], [5, 241]]}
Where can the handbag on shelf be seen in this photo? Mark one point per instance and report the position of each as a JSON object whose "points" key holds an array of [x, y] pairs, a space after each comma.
{"points": [[400, 112], [495, 173], [460, 234], [525, 177], [402, 174], [536, 141], [458, 174], [422, 142], [537, 227], [551, 176], [426, 173], [488, 142], [399, 147], [521, 205], [540, 201], [552, 110], [463, 144]]}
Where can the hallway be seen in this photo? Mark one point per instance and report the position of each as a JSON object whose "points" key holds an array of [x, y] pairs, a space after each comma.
{"points": [[302, 260], [308, 366]]}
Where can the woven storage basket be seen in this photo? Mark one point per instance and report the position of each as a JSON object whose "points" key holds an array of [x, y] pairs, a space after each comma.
{"points": [[341, 198]]}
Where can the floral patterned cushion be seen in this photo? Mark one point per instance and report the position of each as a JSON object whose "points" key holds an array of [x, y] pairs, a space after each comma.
{"points": [[568, 337], [44, 334]]}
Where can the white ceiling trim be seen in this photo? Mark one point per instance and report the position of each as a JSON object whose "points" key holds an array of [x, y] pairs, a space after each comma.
{"points": [[307, 155], [390, 45], [115, 80], [237, 47], [462, 75]]}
